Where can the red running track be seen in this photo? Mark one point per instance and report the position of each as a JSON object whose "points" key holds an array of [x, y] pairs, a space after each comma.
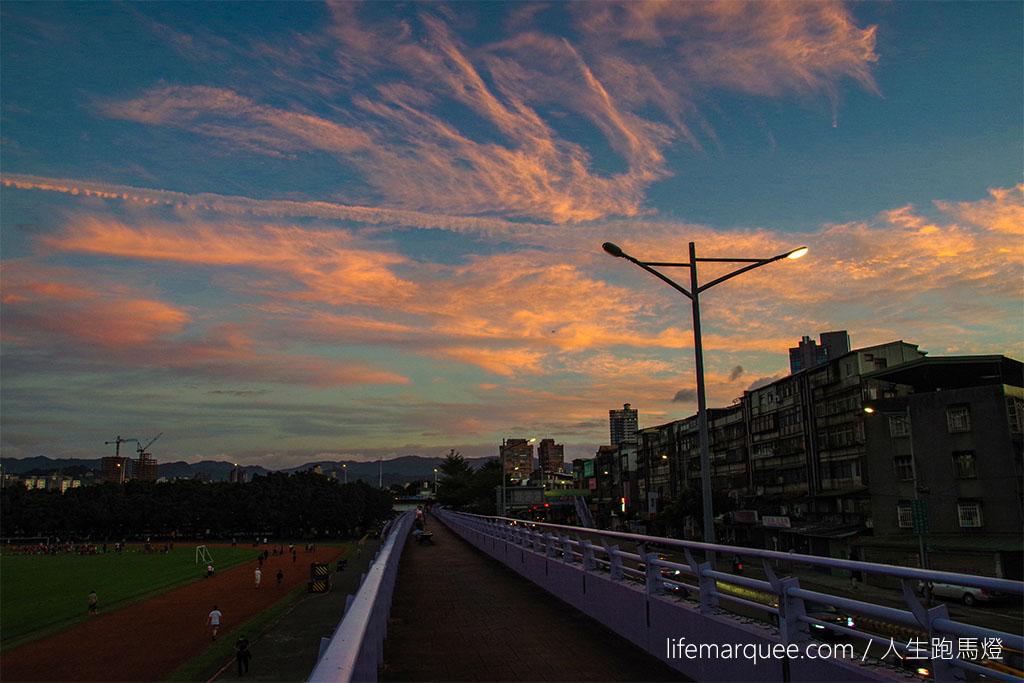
{"points": [[149, 640]]}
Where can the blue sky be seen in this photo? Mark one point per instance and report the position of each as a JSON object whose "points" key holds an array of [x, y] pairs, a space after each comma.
{"points": [[279, 232]]}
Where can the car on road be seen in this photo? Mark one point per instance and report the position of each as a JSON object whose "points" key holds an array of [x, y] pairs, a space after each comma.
{"points": [[828, 615], [969, 595]]}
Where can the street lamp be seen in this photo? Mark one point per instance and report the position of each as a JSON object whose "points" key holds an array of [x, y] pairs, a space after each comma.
{"points": [[919, 507], [435, 482], [344, 468], [693, 295]]}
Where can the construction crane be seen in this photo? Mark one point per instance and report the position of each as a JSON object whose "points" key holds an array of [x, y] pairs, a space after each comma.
{"points": [[142, 449], [145, 466], [120, 441]]}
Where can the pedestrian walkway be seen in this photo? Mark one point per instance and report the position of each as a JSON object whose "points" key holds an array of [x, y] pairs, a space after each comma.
{"points": [[288, 651], [458, 615]]}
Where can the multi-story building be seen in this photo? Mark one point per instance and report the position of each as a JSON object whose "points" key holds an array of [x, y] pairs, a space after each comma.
{"points": [[146, 468], [517, 460], [551, 456], [116, 469], [623, 425], [807, 354], [806, 468], [239, 476], [945, 465]]}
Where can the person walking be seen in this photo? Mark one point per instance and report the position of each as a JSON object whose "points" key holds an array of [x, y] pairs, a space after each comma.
{"points": [[94, 603], [214, 621], [242, 655], [280, 577], [257, 575]]}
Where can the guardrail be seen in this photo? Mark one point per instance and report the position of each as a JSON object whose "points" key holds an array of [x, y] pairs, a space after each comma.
{"points": [[651, 600], [356, 649]]}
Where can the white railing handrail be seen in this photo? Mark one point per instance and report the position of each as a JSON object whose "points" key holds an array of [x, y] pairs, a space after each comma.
{"points": [[354, 651]]}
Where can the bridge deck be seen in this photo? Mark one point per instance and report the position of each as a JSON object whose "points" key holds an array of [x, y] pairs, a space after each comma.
{"points": [[457, 615]]}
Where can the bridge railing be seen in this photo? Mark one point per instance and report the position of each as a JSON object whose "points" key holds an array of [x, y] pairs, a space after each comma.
{"points": [[928, 636], [356, 649]]}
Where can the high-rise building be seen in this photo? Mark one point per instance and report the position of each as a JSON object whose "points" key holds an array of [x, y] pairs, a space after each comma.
{"points": [[808, 354], [551, 456], [623, 425], [116, 469], [145, 468], [517, 458], [239, 476]]}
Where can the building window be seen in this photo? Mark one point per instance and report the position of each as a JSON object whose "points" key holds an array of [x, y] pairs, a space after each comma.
{"points": [[903, 467], [899, 425], [963, 465], [969, 514], [958, 419], [904, 516], [1015, 413]]}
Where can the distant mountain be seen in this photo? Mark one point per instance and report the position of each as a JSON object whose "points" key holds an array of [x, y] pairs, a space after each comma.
{"points": [[399, 470]]}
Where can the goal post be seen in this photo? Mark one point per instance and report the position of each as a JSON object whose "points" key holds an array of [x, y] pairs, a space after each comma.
{"points": [[203, 555]]}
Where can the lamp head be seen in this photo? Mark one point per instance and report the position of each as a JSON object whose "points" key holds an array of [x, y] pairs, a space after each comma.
{"points": [[613, 249], [797, 253]]}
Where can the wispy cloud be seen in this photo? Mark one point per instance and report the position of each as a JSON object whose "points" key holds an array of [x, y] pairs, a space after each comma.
{"points": [[528, 94]]}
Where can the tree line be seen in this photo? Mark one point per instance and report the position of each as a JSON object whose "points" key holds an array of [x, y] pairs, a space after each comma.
{"points": [[299, 505]]}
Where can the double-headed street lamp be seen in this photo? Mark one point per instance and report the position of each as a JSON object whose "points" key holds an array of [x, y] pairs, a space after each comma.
{"points": [[693, 294]]}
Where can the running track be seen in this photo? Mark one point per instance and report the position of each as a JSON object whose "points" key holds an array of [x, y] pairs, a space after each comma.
{"points": [[149, 640]]}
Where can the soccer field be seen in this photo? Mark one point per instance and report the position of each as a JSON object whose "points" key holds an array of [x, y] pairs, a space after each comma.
{"points": [[41, 594]]}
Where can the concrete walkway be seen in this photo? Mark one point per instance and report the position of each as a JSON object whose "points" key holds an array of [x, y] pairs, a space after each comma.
{"points": [[459, 615]]}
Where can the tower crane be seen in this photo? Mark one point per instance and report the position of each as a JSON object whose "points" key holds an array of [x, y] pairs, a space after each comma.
{"points": [[142, 449], [120, 441]]}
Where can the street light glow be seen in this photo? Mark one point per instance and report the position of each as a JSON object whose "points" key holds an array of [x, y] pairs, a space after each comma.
{"points": [[797, 253]]}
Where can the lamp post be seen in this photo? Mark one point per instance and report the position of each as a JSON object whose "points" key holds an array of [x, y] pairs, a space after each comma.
{"points": [[435, 482], [344, 468], [693, 294], [919, 508]]}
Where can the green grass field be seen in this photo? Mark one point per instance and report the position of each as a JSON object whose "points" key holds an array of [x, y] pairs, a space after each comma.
{"points": [[43, 594]]}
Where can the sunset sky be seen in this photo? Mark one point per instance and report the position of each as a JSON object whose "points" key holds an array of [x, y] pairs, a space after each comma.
{"points": [[284, 232]]}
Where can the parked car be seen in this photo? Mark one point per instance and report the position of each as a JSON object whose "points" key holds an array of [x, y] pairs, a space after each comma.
{"points": [[967, 594]]}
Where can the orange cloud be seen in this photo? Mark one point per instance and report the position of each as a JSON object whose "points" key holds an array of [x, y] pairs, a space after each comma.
{"points": [[329, 264], [221, 113], [42, 305]]}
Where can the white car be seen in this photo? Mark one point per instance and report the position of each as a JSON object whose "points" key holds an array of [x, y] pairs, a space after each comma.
{"points": [[967, 594]]}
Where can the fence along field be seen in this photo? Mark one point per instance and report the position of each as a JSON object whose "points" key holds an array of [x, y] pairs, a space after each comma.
{"points": [[42, 594]]}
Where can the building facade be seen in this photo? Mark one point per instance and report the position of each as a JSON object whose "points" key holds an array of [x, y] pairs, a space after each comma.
{"points": [[623, 425], [517, 460], [550, 456], [807, 354], [115, 469], [798, 464], [945, 464]]}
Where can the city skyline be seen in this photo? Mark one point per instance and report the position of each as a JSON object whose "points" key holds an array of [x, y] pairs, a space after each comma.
{"points": [[286, 232]]}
